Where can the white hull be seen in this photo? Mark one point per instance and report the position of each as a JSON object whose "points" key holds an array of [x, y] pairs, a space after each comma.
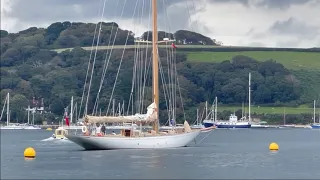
{"points": [[11, 127], [151, 142], [229, 124], [259, 126], [286, 126], [31, 128], [199, 126], [20, 127], [170, 127]]}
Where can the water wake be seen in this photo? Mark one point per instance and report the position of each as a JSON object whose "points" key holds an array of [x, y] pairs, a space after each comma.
{"points": [[56, 140], [48, 139]]}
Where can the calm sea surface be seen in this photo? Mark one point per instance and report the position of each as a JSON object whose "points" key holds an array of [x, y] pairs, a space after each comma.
{"points": [[235, 154]]}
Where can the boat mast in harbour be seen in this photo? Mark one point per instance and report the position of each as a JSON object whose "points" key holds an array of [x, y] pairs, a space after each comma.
{"points": [[155, 64], [128, 138]]}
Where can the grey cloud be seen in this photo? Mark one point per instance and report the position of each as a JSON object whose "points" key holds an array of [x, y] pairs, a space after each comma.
{"points": [[178, 17], [294, 27], [43, 12], [292, 43], [75, 10], [257, 44], [250, 32], [280, 4], [244, 2]]}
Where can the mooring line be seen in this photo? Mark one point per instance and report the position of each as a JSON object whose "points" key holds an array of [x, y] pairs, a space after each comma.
{"points": [[202, 138]]}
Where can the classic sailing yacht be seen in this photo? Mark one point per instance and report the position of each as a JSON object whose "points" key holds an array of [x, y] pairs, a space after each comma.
{"points": [[136, 139]]}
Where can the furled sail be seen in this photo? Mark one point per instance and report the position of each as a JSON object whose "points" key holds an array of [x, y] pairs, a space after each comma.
{"points": [[150, 116]]}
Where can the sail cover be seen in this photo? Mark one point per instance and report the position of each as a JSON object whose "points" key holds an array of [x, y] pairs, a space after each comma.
{"points": [[149, 117]]}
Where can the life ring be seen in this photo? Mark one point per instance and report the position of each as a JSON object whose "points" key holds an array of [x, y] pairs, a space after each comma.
{"points": [[84, 129]]}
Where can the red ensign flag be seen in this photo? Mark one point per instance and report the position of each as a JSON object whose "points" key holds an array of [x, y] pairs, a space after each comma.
{"points": [[66, 118]]}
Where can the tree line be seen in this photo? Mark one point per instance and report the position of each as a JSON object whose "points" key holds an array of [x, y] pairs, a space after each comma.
{"points": [[30, 69]]}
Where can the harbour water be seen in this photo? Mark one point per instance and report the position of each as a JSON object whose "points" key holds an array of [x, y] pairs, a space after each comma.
{"points": [[224, 154]]}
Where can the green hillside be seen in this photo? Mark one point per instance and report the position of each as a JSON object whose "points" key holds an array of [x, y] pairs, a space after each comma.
{"points": [[291, 60], [49, 63]]}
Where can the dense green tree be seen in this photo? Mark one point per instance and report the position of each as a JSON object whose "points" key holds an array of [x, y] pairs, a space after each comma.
{"points": [[30, 69], [3, 33]]}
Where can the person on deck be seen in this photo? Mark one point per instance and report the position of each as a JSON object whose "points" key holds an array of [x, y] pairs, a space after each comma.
{"points": [[103, 129]]}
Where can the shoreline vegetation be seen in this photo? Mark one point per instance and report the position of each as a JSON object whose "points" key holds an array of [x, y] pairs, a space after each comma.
{"points": [[50, 63]]}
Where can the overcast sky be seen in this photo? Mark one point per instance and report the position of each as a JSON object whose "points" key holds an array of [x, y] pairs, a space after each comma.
{"points": [[276, 23]]}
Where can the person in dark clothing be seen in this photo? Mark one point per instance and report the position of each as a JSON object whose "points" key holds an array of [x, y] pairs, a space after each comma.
{"points": [[103, 129]]}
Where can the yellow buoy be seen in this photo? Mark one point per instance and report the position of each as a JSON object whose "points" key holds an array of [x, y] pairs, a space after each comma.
{"points": [[29, 153], [274, 146], [49, 129]]}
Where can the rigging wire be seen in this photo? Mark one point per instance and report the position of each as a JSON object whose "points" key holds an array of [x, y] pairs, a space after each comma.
{"points": [[163, 80], [141, 79], [89, 63], [115, 82], [95, 55], [146, 55], [135, 78], [4, 105], [143, 63], [170, 110], [146, 59], [109, 52]]}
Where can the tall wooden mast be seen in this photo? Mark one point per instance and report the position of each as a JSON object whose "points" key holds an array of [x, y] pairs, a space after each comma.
{"points": [[155, 63]]}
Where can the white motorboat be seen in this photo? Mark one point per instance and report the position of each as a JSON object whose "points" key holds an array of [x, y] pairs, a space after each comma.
{"points": [[60, 133]]}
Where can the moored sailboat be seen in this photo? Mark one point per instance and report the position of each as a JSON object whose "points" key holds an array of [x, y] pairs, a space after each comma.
{"points": [[198, 124], [210, 122], [233, 121], [9, 126], [315, 125], [136, 139], [30, 126]]}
